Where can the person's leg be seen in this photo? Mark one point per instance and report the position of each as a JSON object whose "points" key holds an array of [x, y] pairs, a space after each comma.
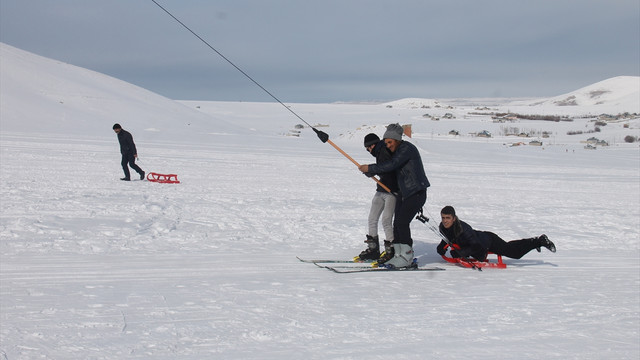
{"points": [[406, 210], [377, 207], [132, 163], [513, 249], [387, 215], [403, 243], [125, 167]]}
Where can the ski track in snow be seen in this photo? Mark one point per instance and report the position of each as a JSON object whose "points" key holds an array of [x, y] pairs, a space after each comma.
{"points": [[96, 268]]}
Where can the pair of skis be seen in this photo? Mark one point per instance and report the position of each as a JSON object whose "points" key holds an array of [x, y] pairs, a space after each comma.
{"points": [[341, 267]]}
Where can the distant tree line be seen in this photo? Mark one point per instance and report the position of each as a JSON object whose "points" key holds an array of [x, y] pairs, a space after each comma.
{"points": [[555, 118], [578, 132]]}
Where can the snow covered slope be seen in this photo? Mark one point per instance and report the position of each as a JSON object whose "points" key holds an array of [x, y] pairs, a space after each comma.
{"points": [[622, 92], [46, 96]]}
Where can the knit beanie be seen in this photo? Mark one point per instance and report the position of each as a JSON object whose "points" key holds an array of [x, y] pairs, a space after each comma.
{"points": [[371, 139], [394, 131]]}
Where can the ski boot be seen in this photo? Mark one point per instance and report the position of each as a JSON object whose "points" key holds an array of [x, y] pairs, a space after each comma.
{"points": [[372, 252], [403, 257], [386, 255]]}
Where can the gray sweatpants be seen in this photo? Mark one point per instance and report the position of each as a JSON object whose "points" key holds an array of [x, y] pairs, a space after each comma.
{"points": [[383, 204]]}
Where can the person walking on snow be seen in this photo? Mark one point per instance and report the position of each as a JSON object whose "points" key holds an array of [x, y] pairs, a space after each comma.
{"points": [[412, 184], [128, 151], [476, 243], [383, 203]]}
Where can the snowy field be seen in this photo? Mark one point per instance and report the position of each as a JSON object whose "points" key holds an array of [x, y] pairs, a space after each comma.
{"points": [[95, 268]]}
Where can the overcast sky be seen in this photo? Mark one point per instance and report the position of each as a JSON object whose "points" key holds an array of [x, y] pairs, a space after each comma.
{"points": [[337, 50]]}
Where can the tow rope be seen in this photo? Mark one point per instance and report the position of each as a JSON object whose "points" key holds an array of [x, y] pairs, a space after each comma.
{"points": [[324, 137]]}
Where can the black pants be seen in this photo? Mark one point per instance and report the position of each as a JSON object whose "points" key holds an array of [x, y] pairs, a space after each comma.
{"points": [[406, 210], [514, 249], [130, 160]]}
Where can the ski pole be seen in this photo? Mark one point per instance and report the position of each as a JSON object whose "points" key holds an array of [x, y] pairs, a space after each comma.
{"points": [[324, 137], [425, 220]]}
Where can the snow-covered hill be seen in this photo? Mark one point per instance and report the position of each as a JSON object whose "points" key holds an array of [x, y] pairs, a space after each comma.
{"points": [[622, 92], [95, 268], [47, 96]]}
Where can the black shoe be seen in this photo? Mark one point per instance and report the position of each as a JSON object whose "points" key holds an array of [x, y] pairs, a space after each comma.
{"points": [[125, 179], [544, 241], [142, 176]]}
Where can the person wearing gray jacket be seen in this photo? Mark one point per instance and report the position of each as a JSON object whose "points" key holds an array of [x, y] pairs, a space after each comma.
{"points": [[412, 182]]}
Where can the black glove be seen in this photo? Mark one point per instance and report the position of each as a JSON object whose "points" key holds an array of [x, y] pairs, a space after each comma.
{"points": [[441, 250], [454, 254]]}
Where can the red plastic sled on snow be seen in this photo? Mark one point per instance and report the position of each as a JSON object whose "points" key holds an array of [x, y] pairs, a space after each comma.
{"points": [[476, 264], [163, 178]]}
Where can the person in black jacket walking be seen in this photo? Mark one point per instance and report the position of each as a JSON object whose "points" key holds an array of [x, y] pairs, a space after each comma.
{"points": [[128, 151], [412, 183], [476, 243], [383, 203]]}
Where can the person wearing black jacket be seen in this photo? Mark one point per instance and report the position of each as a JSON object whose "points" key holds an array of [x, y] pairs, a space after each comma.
{"points": [[412, 183], [383, 203], [128, 151], [476, 244]]}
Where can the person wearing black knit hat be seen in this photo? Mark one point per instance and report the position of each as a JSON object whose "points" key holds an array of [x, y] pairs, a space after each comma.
{"points": [[474, 243], [383, 203], [406, 162]]}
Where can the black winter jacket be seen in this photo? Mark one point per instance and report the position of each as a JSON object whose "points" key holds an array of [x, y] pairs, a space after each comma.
{"points": [[471, 242], [407, 164], [382, 155], [127, 146]]}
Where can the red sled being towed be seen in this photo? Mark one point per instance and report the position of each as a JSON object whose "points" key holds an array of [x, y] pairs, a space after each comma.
{"points": [[476, 264], [163, 178]]}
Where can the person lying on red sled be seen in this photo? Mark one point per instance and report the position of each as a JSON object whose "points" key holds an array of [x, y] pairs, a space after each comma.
{"points": [[465, 242]]}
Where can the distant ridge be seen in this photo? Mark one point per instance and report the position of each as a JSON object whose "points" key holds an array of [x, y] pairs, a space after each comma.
{"points": [[620, 91]]}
